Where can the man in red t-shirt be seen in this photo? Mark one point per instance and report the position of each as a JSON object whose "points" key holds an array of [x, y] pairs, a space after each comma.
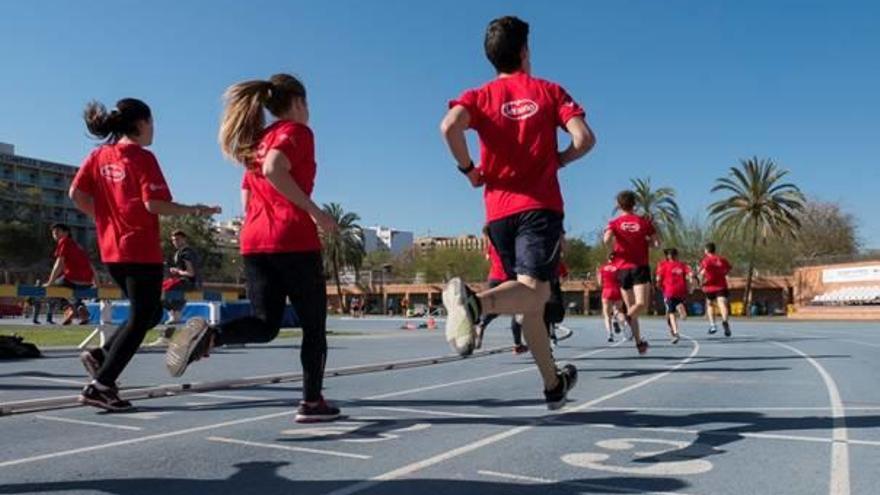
{"points": [[713, 273], [673, 278], [516, 117], [72, 269], [612, 299], [630, 238]]}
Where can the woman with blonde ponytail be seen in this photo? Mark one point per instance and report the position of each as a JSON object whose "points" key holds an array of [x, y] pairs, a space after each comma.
{"points": [[279, 240], [121, 187]]}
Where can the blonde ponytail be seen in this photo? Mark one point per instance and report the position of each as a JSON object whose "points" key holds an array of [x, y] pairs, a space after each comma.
{"points": [[243, 120]]}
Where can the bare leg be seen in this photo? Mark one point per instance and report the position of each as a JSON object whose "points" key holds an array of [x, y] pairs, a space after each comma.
{"points": [[710, 312], [608, 313], [629, 298]]}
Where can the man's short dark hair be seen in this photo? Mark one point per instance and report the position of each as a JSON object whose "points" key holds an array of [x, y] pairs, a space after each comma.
{"points": [[179, 233], [626, 200], [60, 226], [710, 247], [671, 252], [505, 39]]}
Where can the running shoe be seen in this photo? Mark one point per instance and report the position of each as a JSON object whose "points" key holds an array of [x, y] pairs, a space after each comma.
{"points": [[726, 326], [520, 349], [712, 330], [92, 361], [189, 344], [462, 313], [675, 339], [562, 332], [555, 398], [642, 347], [610, 338], [616, 326], [107, 399], [160, 342], [478, 336], [83, 315], [321, 411]]}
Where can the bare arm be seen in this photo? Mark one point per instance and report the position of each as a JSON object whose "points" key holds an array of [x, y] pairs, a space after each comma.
{"points": [[56, 270], [245, 197], [452, 127], [608, 238], [582, 141], [84, 202], [276, 169]]}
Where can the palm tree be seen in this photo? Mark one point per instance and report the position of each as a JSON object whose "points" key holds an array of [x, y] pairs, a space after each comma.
{"points": [[343, 248], [759, 204], [657, 204]]}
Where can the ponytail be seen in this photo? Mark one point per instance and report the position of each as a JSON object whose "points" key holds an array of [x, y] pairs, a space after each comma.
{"points": [[121, 121], [243, 121]]}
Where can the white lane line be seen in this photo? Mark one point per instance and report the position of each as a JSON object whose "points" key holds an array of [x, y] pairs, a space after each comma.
{"points": [[158, 436], [709, 409], [476, 379], [234, 397], [688, 431], [88, 423], [578, 484], [289, 448], [859, 342], [430, 412], [839, 484], [464, 449]]}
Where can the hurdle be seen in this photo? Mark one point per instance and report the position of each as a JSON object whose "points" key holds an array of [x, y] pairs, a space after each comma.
{"points": [[170, 390]]}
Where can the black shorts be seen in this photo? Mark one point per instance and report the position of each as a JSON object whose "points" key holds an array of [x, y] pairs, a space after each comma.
{"points": [[528, 243], [715, 294], [672, 304], [630, 277], [176, 300]]}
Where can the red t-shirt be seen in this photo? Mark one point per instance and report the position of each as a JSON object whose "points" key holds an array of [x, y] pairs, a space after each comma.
{"points": [[673, 276], [496, 267], [120, 178], [610, 285], [562, 270], [715, 270], [631, 233], [76, 262], [273, 224], [516, 118]]}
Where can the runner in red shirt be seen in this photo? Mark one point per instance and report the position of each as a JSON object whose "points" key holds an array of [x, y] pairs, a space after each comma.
{"points": [[498, 276], [631, 237], [121, 187], [673, 278], [612, 299], [713, 272], [72, 269], [516, 117], [279, 240]]}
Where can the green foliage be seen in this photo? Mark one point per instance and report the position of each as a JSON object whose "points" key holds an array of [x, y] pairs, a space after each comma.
{"points": [[441, 264], [343, 248], [200, 235], [658, 204], [22, 244]]}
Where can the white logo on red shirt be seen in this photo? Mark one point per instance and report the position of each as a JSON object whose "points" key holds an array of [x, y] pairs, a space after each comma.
{"points": [[113, 172], [629, 227], [157, 187], [519, 109]]}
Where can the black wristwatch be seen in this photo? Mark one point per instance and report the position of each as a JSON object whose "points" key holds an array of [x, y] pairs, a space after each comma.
{"points": [[467, 170]]}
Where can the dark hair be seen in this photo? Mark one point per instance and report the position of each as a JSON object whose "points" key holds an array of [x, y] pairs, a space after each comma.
{"points": [[626, 200], [671, 252], [121, 121], [179, 233], [243, 121], [505, 39], [611, 256], [710, 247], [60, 226]]}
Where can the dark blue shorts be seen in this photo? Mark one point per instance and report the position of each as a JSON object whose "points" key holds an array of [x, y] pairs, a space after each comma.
{"points": [[630, 277], [672, 304], [528, 243]]}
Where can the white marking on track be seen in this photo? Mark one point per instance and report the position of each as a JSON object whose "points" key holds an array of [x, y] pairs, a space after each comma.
{"points": [[579, 484], [289, 448], [709, 409], [859, 342], [491, 439], [88, 423], [839, 483], [596, 461], [233, 397], [147, 415], [64, 381], [430, 412]]}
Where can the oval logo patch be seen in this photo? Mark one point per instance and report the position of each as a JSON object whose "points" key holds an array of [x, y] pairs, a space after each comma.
{"points": [[112, 172], [519, 109]]}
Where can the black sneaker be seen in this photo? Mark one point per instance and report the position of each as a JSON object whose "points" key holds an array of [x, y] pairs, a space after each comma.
{"points": [[92, 361], [616, 326], [567, 380], [726, 326], [320, 412], [642, 347], [610, 339], [188, 344], [104, 399]]}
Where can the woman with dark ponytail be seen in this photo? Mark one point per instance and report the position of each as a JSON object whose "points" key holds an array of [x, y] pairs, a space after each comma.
{"points": [[121, 187], [279, 239]]}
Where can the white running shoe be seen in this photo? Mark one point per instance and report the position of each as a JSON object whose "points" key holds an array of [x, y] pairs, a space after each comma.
{"points": [[461, 314], [182, 349], [562, 332]]}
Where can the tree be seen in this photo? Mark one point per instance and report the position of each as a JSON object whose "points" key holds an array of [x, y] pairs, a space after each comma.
{"points": [[343, 248], [825, 231], [22, 247], [759, 205], [578, 257], [658, 204], [200, 236]]}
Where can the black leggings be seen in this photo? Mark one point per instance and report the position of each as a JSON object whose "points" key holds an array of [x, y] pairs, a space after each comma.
{"points": [[515, 326], [271, 279], [141, 283]]}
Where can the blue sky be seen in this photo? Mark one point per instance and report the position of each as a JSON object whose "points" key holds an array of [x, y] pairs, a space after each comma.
{"points": [[675, 90]]}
